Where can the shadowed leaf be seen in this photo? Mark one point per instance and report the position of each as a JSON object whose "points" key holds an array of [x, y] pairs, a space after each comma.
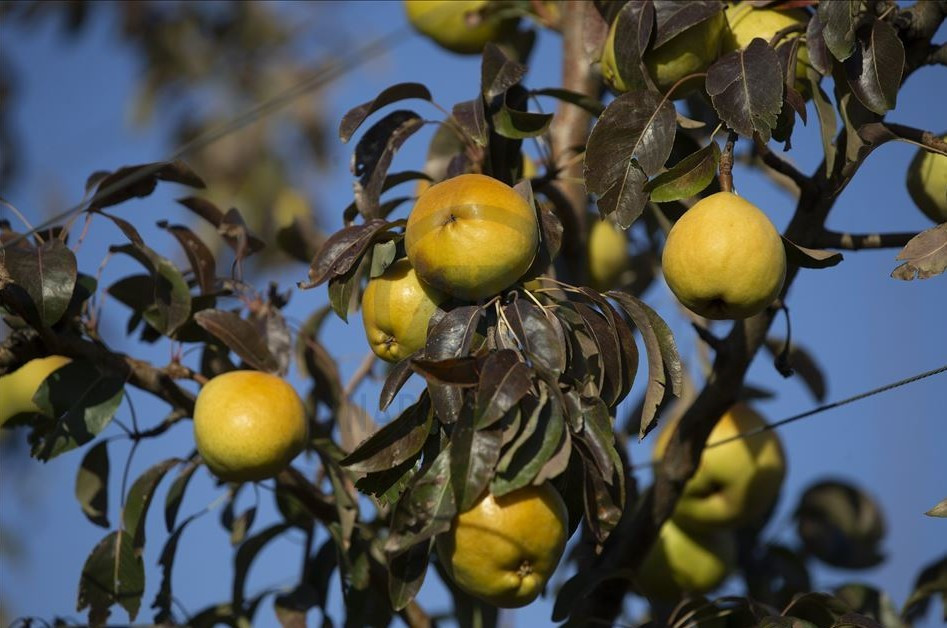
{"points": [[838, 27], [809, 258], [172, 501], [136, 181], [138, 501], [533, 454], [112, 574], [170, 305], [593, 106], [342, 251], [473, 455], [633, 27], [241, 336], [426, 509], [840, 525], [47, 273], [746, 91], [503, 382], [92, 482], [198, 254], [247, 553], [498, 72], [395, 442], [673, 18], [406, 572], [373, 155], [356, 115], [687, 178], [874, 70], [930, 582]]}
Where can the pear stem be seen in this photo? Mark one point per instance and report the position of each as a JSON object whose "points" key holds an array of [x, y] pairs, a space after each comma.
{"points": [[726, 164]]}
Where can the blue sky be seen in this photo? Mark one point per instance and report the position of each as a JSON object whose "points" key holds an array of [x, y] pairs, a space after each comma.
{"points": [[865, 328]]}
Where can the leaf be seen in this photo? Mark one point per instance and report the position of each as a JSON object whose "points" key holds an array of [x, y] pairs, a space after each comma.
{"points": [[840, 525], [170, 305], [473, 455], [172, 501], [515, 124], [240, 336], [137, 181], [112, 574], [229, 225], [472, 120], [198, 254], [453, 335], [630, 141], [801, 361], [247, 553], [540, 336], [664, 362], [241, 524], [342, 251], [498, 72], [355, 116], [925, 255], [633, 26], [687, 178], [932, 580], [426, 509], [138, 501], [940, 510], [406, 573], [809, 258], [599, 439], [383, 254], [47, 273], [875, 69], [396, 442], [396, 379], [530, 458], [589, 104], [163, 598], [81, 400], [602, 509], [503, 382], [838, 26], [92, 482], [828, 123], [745, 91], [373, 155], [815, 46], [673, 18]]}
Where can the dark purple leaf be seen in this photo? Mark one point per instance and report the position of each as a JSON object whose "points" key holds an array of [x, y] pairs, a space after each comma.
{"points": [[746, 93], [452, 336], [540, 336], [931, 581], [875, 69], [673, 17], [396, 442], [138, 500], [172, 501], [635, 22], [342, 251], [630, 141], [503, 382], [840, 525], [472, 120], [373, 155], [498, 72], [396, 378], [112, 574], [137, 181], [426, 509], [534, 453], [815, 45], [357, 115], [593, 106], [235, 233], [198, 254], [406, 571], [452, 371], [92, 481], [47, 273], [240, 336], [473, 455]]}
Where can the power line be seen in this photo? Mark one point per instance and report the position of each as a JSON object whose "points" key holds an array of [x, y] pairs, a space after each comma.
{"points": [[816, 410], [318, 79]]}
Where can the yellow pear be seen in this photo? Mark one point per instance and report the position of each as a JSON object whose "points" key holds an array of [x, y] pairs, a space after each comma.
{"points": [[396, 308], [683, 562], [448, 23], [607, 254], [724, 258], [17, 388], [927, 183], [735, 483], [471, 236], [748, 22], [689, 52], [504, 549], [249, 425]]}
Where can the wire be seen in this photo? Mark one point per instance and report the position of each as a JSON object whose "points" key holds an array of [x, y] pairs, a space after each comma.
{"points": [[318, 79], [816, 410]]}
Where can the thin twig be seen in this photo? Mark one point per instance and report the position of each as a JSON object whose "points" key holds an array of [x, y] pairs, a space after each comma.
{"points": [[361, 373]]}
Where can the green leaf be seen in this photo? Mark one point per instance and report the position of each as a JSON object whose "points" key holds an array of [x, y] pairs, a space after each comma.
{"points": [[81, 400], [687, 178], [517, 125], [139, 500], [113, 574], [92, 483], [940, 510]]}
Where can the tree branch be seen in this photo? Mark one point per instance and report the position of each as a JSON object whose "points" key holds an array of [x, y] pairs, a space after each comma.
{"points": [[570, 125], [856, 241], [782, 166]]}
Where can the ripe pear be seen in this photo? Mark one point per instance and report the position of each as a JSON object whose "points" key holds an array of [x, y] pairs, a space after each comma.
{"points": [[249, 425], [448, 23], [927, 183], [724, 259], [736, 483], [17, 388], [607, 254], [504, 549], [682, 561], [471, 236], [396, 309]]}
